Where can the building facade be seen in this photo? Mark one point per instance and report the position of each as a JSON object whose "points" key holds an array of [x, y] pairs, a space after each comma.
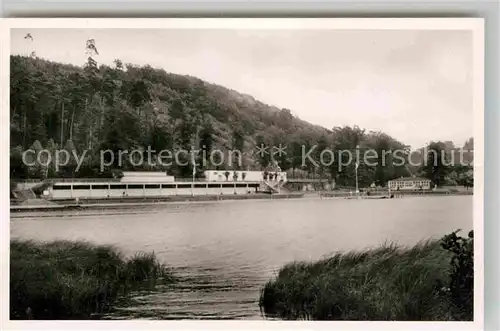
{"points": [[244, 176], [409, 183]]}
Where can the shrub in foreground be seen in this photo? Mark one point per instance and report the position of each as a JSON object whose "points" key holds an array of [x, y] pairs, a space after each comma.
{"points": [[387, 283], [461, 280], [74, 280]]}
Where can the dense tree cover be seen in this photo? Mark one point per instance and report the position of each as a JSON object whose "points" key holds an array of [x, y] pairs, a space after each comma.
{"points": [[95, 108], [129, 107], [445, 164]]}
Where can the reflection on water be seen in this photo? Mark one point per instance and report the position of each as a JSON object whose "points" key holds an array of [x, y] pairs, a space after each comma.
{"points": [[224, 252]]}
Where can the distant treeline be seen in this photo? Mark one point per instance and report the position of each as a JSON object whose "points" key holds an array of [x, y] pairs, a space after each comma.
{"points": [[58, 106]]}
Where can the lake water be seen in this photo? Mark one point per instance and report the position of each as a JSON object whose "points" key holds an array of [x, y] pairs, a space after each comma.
{"points": [[226, 251]]}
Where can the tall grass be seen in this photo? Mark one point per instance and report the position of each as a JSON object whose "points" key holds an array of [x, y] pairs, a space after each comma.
{"points": [[384, 284], [74, 280]]}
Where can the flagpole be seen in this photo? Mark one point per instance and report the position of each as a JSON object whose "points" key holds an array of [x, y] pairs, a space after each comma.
{"points": [[357, 165], [194, 172], [196, 143], [357, 186]]}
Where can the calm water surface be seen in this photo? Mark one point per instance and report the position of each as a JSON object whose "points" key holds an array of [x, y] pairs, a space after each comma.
{"points": [[226, 251]]}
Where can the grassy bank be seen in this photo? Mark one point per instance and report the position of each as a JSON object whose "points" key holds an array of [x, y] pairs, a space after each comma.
{"points": [[430, 281], [74, 280]]}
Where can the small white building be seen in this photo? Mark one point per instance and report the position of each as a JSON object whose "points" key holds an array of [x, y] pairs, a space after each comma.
{"points": [[409, 183]]}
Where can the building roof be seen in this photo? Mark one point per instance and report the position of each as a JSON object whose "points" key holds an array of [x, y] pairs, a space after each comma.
{"points": [[144, 173], [408, 179]]}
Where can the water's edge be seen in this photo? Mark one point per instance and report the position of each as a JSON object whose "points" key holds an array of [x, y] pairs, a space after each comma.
{"points": [[224, 252]]}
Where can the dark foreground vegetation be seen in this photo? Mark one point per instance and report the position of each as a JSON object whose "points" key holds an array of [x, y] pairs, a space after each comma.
{"points": [[431, 281], [74, 280]]}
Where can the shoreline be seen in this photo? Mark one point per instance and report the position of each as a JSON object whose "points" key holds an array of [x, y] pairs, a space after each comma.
{"points": [[70, 204], [385, 282], [419, 282], [68, 280]]}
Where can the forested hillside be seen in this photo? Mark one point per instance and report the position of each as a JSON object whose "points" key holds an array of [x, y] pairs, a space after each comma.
{"points": [[132, 107], [127, 107]]}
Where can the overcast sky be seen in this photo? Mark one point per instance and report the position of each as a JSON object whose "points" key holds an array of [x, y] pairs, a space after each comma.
{"points": [[414, 85]]}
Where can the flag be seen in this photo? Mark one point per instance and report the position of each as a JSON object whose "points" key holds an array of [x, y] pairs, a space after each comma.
{"points": [[357, 165], [194, 168]]}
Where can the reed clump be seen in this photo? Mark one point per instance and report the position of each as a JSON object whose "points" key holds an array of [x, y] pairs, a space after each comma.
{"points": [[75, 280], [431, 281]]}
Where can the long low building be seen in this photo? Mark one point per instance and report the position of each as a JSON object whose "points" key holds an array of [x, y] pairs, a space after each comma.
{"points": [[84, 190], [409, 183], [158, 184]]}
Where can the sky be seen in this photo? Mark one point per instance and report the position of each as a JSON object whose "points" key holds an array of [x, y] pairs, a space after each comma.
{"points": [[415, 85]]}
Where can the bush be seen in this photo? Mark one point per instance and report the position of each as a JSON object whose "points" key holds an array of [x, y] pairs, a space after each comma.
{"points": [[432, 281], [461, 282], [387, 283], [74, 280]]}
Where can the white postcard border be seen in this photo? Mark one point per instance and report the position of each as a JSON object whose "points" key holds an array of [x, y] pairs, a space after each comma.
{"points": [[476, 25]]}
